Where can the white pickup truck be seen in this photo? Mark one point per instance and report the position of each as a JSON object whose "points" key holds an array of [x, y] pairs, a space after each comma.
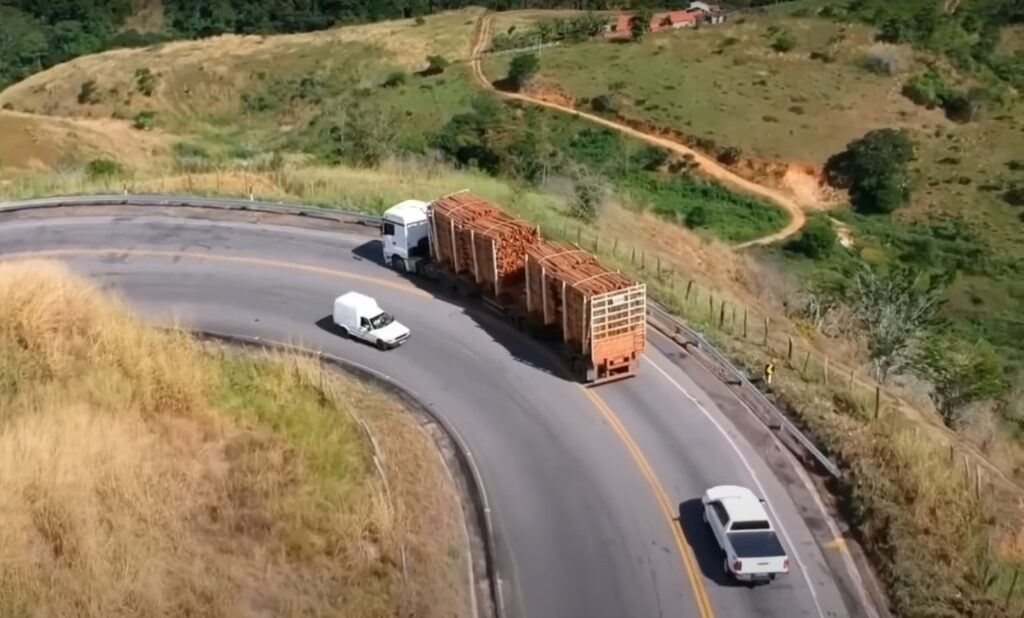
{"points": [[740, 524]]}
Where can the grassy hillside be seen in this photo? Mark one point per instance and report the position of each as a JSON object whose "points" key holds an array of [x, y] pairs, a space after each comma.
{"points": [[147, 474]]}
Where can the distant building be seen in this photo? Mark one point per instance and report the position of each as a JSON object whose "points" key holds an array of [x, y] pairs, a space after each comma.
{"points": [[674, 20], [710, 13]]}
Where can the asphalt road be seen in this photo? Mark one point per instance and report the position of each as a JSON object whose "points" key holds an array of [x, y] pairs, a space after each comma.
{"points": [[592, 490]]}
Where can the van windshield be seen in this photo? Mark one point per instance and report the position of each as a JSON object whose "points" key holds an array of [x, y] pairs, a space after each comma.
{"points": [[381, 320]]}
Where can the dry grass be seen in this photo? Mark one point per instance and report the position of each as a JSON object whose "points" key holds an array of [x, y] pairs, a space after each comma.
{"points": [[144, 475], [49, 143], [206, 78]]}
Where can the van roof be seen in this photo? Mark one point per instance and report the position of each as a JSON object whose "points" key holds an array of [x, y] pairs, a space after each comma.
{"points": [[361, 302]]}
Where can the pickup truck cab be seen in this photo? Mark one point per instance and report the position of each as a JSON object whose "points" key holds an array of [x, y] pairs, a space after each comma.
{"points": [[360, 317], [740, 524]]}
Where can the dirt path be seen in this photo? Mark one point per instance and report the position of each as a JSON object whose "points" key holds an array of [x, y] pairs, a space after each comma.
{"points": [[707, 165]]}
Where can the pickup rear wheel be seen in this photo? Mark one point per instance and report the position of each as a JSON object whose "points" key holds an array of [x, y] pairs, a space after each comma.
{"points": [[725, 565], [343, 332]]}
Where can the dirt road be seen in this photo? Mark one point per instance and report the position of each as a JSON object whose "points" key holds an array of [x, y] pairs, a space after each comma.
{"points": [[707, 165]]}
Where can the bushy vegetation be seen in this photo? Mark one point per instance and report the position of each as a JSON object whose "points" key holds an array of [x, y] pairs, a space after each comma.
{"points": [[817, 240], [875, 169], [967, 36], [571, 29], [931, 90]]}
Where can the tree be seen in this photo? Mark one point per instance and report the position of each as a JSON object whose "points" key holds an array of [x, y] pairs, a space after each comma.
{"points": [[22, 45], [875, 169], [522, 69], [641, 23], [961, 373], [589, 195], [436, 65], [893, 308], [817, 240], [357, 133]]}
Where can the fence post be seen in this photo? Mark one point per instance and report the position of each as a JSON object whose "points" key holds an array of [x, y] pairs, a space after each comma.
{"points": [[632, 257], [807, 358], [597, 242], [689, 284], [826, 371], [659, 267], [615, 246], [878, 400], [789, 351], [579, 234], [850, 386], [744, 322], [643, 260], [721, 315], [732, 322], [765, 331], [711, 306]]}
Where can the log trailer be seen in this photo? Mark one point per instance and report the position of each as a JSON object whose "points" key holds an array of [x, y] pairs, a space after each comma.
{"points": [[558, 292]]}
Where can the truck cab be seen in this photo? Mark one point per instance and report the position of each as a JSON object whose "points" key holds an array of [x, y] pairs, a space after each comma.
{"points": [[404, 234], [739, 522], [360, 317]]}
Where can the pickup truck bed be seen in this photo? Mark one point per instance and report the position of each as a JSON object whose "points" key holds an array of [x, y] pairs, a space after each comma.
{"points": [[756, 544]]}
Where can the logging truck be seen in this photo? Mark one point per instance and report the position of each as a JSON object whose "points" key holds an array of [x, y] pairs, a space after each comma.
{"points": [[596, 318]]}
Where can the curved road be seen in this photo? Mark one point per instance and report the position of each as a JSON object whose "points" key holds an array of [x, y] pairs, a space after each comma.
{"points": [[585, 485], [707, 164]]}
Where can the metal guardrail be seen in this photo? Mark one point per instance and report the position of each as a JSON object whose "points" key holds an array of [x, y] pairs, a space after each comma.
{"points": [[345, 216], [785, 423]]}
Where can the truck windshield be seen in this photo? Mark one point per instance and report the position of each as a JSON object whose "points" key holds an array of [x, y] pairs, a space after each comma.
{"points": [[381, 320]]}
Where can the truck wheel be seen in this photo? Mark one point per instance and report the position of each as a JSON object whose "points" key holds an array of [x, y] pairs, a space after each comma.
{"points": [[725, 565], [398, 264], [343, 332], [381, 345]]}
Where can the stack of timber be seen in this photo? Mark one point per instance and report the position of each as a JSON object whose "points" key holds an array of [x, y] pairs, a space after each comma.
{"points": [[488, 244], [601, 312]]}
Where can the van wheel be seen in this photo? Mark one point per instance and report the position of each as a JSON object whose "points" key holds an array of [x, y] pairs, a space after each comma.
{"points": [[381, 345], [398, 264]]}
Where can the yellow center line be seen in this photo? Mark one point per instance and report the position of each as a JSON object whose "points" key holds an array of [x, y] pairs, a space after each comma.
{"points": [[252, 261], [689, 561], [661, 497]]}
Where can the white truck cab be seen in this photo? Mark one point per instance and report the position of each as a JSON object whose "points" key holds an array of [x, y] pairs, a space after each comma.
{"points": [[360, 317], [404, 232], [740, 524]]}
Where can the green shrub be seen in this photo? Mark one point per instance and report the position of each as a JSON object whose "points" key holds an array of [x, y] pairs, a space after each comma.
{"points": [[102, 168], [817, 240], [784, 43], [395, 78], [436, 65], [88, 93], [145, 81], [145, 121], [420, 21]]}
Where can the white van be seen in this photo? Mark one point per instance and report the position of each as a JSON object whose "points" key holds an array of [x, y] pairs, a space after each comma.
{"points": [[360, 317]]}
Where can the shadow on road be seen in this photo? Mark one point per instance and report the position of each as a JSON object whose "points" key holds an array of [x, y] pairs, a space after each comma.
{"points": [[520, 345], [705, 548]]}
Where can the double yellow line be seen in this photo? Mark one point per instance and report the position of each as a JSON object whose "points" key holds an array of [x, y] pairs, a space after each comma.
{"points": [[661, 497], [689, 560]]}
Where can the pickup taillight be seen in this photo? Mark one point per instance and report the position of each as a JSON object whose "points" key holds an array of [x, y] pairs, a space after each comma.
{"points": [[785, 565], [737, 566]]}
